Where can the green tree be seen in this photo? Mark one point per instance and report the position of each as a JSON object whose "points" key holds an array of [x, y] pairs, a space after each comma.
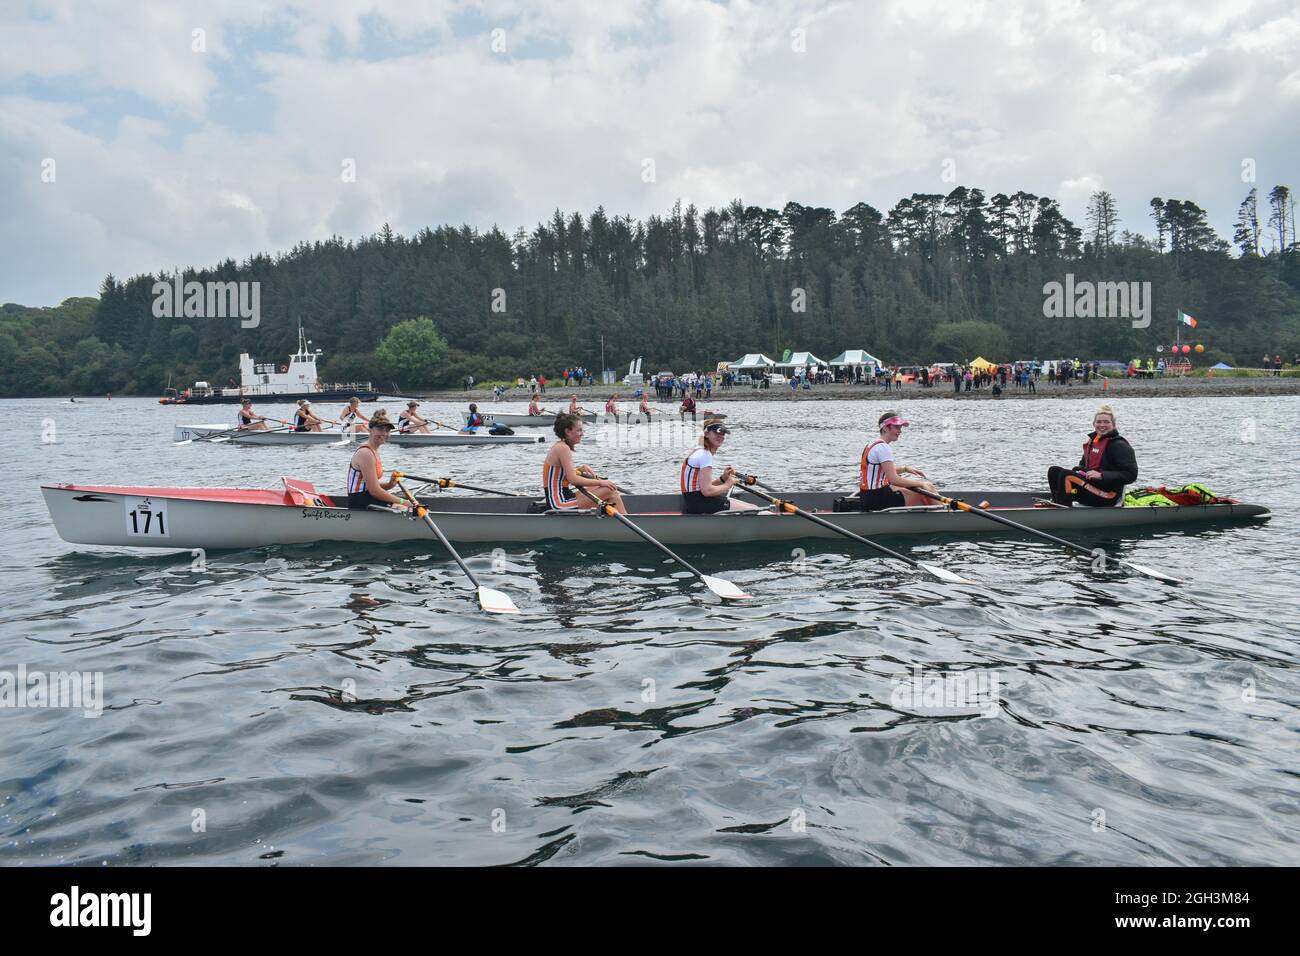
{"points": [[412, 351], [963, 341]]}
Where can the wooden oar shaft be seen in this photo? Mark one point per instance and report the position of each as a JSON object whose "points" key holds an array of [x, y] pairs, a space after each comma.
{"points": [[959, 505], [623, 519], [451, 483], [423, 513], [793, 509]]}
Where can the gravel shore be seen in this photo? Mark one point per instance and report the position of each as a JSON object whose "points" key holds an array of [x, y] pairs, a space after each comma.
{"points": [[1197, 386]]}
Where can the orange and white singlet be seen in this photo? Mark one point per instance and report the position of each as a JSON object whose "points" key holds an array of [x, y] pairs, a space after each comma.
{"points": [[357, 481], [871, 474], [692, 465], [559, 493]]}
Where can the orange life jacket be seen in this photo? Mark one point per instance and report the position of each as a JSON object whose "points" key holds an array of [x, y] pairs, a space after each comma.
{"points": [[871, 475], [1094, 449]]}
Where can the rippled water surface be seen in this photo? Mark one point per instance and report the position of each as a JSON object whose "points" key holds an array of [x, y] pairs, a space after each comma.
{"points": [[323, 705]]}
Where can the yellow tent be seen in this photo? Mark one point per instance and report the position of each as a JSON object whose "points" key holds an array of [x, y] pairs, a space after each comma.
{"points": [[981, 364]]}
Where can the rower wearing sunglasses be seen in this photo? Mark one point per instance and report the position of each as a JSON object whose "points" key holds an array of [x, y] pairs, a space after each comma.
{"points": [[702, 493]]}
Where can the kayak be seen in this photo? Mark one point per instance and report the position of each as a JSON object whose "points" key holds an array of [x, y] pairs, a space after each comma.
{"points": [[285, 437], [297, 513], [512, 420]]}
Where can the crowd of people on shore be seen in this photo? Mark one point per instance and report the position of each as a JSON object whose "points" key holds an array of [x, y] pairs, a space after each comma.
{"points": [[697, 384], [974, 377]]}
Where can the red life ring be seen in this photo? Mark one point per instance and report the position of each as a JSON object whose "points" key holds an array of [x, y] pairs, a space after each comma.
{"points": [[283, 369]]}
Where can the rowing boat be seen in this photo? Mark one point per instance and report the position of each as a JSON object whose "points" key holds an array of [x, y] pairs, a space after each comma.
{"points": [[513, 420], [217, 518], [284, 437], [523, 421]]}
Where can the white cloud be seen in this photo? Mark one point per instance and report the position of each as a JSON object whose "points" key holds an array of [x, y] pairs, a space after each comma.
{"points": [[168, 157]]}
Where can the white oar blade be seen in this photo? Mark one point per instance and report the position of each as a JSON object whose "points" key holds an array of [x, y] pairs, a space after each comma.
{"points": [[496, 602], [723, 589], [1150, 572], [943, 574]]}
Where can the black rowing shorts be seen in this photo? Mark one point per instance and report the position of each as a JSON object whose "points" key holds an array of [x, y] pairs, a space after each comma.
{"points": [[878, 499], [695, 503]]}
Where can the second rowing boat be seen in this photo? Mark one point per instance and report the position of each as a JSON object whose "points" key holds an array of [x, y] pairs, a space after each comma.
{"points": [[251, 436]]}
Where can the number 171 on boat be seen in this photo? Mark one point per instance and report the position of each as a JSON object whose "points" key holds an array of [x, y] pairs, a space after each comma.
{"points": [[146, 517]]}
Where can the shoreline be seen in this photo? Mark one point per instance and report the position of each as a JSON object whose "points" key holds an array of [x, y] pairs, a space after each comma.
{"points": [[1198, 387]]}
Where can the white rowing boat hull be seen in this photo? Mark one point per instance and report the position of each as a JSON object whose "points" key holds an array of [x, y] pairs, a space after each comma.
{"points": [[217, 518], [511, 420], [257, 437]]}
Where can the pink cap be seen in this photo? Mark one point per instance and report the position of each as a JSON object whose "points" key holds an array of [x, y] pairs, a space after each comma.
{"points": [[894, 421]]}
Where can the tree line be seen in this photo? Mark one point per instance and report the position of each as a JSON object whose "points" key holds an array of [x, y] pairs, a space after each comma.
{"points": [[938, 277]]}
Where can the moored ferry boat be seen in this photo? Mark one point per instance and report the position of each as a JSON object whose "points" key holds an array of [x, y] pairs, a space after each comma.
{"points": [[286, 383]]}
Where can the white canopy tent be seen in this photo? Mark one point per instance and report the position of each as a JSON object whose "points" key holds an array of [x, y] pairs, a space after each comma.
{"points": [[856, 357], [799, 360], [752, 360]]}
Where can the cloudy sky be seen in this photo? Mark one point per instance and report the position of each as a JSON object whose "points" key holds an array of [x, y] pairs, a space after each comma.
{"points": [[140, 137]]}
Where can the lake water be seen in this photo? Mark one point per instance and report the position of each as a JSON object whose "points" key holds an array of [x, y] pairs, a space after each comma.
{"points": [[323, 705]]}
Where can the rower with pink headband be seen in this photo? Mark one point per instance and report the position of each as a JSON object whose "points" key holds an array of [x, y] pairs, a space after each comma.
{"points": [[881, 481]]}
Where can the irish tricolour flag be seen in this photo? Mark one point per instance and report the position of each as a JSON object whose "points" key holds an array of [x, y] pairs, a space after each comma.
{"points": [[1186, 319]]}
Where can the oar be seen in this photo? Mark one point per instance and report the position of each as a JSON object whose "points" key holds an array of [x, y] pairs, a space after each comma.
{"points": [[253, 431], [208, 437], [490, 599], [723, 589], [450, 483], [232, 434], [958, 505], [213, 436], [943, 574]]}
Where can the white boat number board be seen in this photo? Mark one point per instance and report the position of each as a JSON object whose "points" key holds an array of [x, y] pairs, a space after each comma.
{"points": [[147, 518]]}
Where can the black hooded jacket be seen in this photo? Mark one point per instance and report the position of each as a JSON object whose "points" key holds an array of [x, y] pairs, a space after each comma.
{"points": [[1119, 465]]}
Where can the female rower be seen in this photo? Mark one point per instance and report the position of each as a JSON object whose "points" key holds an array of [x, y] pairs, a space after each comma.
{"points": [[1107, 465], [366, 486], [248, 419], [611, 405], [535, 406], [646, 410], [880, 481], [574, 407], [703, 494], [352, 416], [560, 476], [410, 421], [305, 420]]}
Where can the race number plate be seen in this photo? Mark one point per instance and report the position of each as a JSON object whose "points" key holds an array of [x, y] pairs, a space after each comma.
{"points": [[147, 518]]}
